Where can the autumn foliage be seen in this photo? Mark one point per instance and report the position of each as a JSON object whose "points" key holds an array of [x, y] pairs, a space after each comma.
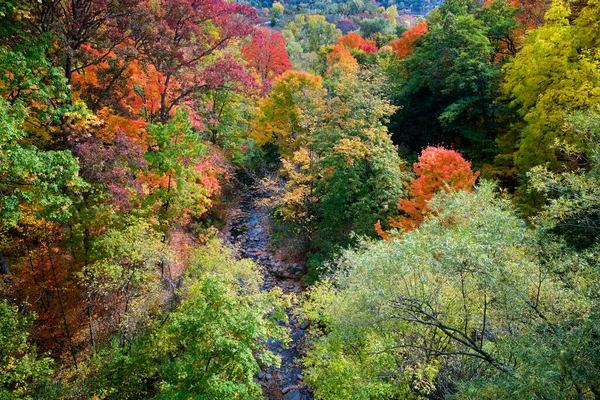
{"points": [[266, 54], [531, 12], [404, 46], [125, 125], [339, 60], [350, 41], [119, 92], [286, 117], [437, 169], [355, 41]]}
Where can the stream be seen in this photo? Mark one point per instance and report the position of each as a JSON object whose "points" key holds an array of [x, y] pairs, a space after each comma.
{"points": [[247, 230]]}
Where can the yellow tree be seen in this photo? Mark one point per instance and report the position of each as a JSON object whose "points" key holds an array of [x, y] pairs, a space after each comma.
{"points": [[290, 114], [556, 72], [340, 63]]}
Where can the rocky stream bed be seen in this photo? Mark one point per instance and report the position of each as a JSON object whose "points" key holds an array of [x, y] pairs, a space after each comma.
{"points": [[247, 231]]}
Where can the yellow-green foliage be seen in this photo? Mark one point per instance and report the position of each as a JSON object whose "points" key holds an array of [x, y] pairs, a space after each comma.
{"points": [[289, 115], [345, 173], [214, 338], [556, 72], [21, 370], [312, 31], [468, 292], [126, 276]]}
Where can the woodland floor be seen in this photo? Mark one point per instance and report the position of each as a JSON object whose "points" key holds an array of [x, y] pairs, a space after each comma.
{"points": [[248, 231]]}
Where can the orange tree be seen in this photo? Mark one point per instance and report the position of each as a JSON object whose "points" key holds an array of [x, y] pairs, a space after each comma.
{"points": [[437, 169]]}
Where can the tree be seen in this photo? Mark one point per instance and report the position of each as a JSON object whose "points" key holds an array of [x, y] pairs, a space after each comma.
{"points": [[392, 13], [125, 278], [27, 75], [354, 41], [350, 41], [572, 207], [40, 185], [437, 169], [370, 28], [555, 73], [176, 149], [114, 168], [340, 63], [277, 9], [79, 23], [226, 116], [359, 170], [404, 46], [312, 32], [40, 179], [183, 41], [503, 28], [266, 54], [120, 89], [531, 12], [472, 304], [288, 116], [449, 76], [22, 370], [347, 163], [417, 318], [210, 346], [216, 333]]}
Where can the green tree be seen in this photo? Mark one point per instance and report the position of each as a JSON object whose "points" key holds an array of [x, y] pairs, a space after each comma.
{"points": [[210, 346], [31, 179], [22, 370], [174, 153], [226, 115], [37, 187], [312, 32], [559, 358], [370, 28], [414, 301], [447, 88], [500, 22], [572, 208], [347, 174], [360, 175], [27, 76], [126, 276], [214, 340], [472, 303]]}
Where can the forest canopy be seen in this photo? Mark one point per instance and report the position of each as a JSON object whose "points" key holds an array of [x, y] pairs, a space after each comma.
{"points": [[209, 199]]}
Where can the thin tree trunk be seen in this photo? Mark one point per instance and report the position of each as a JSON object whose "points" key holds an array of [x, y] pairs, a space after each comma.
{"points": [[69, 70], [88, 305], [3, 265], [164, 109]]}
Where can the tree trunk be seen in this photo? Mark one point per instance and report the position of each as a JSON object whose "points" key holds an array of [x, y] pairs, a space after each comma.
{"points": [[164, 109], [3, 265]]}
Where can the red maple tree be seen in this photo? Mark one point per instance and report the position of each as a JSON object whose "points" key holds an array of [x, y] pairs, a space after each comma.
{"points": [[266, 54], [183, 39]]}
